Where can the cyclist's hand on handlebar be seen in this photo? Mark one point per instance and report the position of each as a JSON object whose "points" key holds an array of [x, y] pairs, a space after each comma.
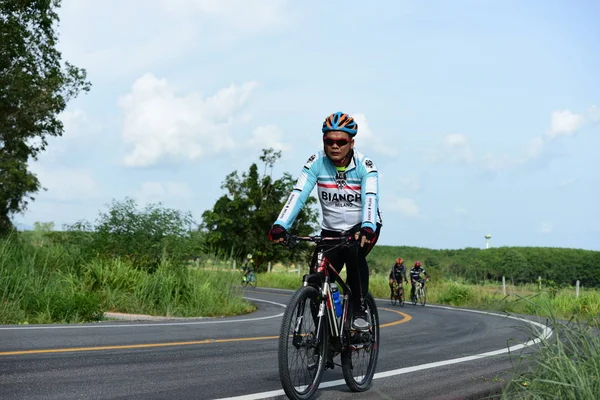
{"points": [[277, 233], [365, 236]]}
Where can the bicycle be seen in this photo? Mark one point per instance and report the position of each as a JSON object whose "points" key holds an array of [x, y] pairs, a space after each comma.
{"points": [[397, 294], [420, 295], [312, 333], [249, 280]]}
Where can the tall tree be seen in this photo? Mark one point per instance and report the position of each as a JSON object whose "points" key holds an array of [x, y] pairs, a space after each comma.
{"points": [[239, 221], [34, 89]]}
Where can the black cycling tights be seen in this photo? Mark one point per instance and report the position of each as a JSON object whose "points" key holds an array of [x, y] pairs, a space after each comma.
{"points": [[357, 268]]}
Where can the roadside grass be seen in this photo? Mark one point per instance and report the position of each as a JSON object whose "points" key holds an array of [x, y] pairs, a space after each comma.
{"points": [[518, 300], [48, 284], [55, 284], [564, 366]]}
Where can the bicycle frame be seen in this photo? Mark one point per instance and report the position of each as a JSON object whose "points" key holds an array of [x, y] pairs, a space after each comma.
{"points": [[317, 331], [321, 276], [397, 288]]}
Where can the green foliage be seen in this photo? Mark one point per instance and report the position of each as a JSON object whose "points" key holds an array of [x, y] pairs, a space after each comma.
{"points": [[456, 294], [239, 221], [34, 89], [48, 284], [144, 237], [565, 366], [558, 267], [52, 306]]}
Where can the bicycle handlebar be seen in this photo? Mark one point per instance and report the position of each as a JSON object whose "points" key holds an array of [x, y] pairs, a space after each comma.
{"points": [[292, 241]]}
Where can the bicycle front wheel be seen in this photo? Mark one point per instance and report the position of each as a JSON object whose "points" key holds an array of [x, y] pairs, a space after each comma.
{"points": [[302, 352], [359, 358], [423, 297]]}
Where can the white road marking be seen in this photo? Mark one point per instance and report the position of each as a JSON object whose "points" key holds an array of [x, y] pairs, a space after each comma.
{"points": [[149, 325], [544, 333]]}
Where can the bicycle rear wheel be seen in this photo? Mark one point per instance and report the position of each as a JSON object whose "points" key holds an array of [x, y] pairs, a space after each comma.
{"points": [[393, 297], [302, 355], [252, 280], [423, 297], [359, 358]]}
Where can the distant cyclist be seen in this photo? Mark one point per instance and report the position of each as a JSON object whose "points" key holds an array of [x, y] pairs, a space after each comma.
{"points": [[415, 276], [248, 267], [397, 274]]}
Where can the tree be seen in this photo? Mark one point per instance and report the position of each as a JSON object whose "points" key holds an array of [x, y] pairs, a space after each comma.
{"points": [[239, 221], [144, 236], [34, 89]]}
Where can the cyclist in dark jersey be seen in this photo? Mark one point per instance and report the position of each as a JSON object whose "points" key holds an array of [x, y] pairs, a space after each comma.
{"points": [[415, 276], [397, 274]]}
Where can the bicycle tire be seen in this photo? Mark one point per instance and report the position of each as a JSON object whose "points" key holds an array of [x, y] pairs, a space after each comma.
{"points": [[423, 298], [352, 355], [252, 281], [393, 299], [401, 300], [302, 383]]}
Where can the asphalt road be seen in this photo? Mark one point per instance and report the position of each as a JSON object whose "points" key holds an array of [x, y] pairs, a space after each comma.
{"points": [[425, 352]]}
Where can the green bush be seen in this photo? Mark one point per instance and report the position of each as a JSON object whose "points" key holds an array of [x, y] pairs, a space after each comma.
{"points": [[455, 294], [565, 366], [63, 306]]}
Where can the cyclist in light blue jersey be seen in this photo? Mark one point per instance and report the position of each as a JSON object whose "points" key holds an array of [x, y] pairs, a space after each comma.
{"points": [[348, 189]]}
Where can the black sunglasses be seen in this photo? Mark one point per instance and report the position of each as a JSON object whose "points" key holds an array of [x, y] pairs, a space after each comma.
{"points": [[339, 142]]}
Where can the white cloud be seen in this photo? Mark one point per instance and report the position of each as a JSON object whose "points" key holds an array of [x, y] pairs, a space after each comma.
{"points": [[77, 127], [459, 148], [566, 182], [367, 139], [154, 192], [455, 148], [65, 184], [73, 122], [408, 207], [160, 125], [593, 114], [546, 228], [535, 148], [161, 31], [460, 211], [531, 151], [564, 122], [242, 16], [269, 136], [456, 140]]}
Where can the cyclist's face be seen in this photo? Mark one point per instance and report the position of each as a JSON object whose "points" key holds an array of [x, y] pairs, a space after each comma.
{"points": [[337, 145]]}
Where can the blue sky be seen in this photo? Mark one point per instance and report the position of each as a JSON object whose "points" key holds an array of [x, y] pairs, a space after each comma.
{"points": [[482, 116]]}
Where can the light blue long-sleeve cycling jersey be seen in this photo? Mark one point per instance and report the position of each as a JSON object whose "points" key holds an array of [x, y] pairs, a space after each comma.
{"points": [[347, 198]]}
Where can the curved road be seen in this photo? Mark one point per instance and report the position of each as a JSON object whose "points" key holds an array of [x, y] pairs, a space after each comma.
{"points": [[428, 352]]}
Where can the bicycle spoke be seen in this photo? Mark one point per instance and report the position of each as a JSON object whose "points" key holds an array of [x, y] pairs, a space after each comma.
{"points": [[301, 353], [360, 359]]}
